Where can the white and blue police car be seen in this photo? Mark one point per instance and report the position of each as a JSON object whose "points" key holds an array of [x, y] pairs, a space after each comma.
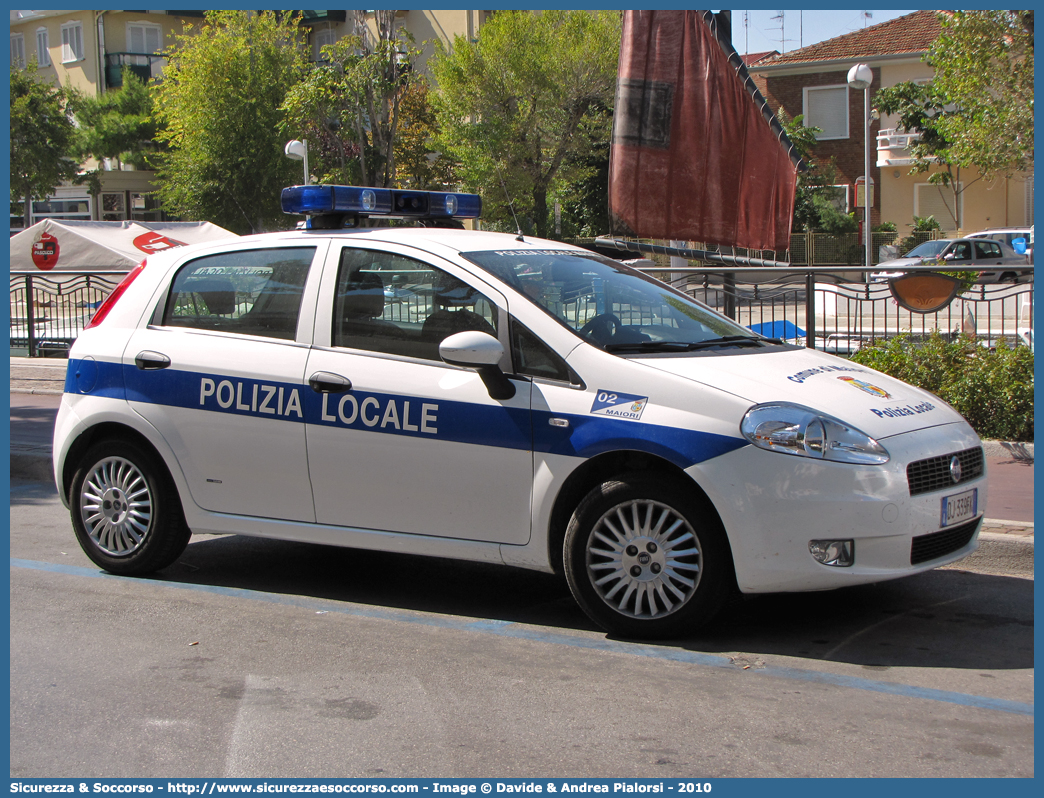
{"points": [[499, 398]]}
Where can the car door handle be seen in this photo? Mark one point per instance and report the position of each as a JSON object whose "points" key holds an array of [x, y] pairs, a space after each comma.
{"points": [[325, 382], [151, 361]]}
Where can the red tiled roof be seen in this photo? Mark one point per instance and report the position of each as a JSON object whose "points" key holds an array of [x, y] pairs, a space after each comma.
{"points": [[913, 34], [753, 58]]}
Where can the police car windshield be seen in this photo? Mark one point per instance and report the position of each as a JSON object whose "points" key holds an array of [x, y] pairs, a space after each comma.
{"points": [[608, 303]]}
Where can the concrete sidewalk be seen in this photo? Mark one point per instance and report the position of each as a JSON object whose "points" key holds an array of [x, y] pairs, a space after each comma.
{"points": [[37, 385]]}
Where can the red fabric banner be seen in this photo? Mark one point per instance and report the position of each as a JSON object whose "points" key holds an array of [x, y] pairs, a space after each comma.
{"points": [[692, 157]]}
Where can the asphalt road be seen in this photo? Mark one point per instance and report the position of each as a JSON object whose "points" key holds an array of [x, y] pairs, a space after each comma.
{"points": [[252, 657]]}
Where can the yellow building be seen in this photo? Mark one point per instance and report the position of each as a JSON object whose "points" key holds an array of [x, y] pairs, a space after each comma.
{"points": [[89, 49]]}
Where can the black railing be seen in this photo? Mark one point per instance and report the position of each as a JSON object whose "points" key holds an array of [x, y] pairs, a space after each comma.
{"points": [[145, 66], [818, 307], [827, 309], [47, 313]]}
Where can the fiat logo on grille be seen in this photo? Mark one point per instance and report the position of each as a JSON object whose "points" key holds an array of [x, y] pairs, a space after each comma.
{"points": [[955, 469]]}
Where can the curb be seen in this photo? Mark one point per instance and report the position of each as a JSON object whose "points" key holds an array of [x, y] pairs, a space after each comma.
{"points": [[1013, 449]]}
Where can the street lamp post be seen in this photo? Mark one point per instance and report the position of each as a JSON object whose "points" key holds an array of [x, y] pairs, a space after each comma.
{"points": [[860, 77], [298, 151]]}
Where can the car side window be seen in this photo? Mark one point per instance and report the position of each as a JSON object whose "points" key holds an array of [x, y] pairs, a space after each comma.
{"points": [[533, 358], [987, 249], [962, 251], [400, 306], [252, 292]]}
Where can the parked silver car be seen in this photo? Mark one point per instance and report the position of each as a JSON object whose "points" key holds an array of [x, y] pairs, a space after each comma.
{"points": [[1019, 239], [996, 261]]}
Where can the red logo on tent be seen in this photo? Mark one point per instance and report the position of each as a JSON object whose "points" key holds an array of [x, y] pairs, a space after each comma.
{"points": [[45, 252], [154, 242]]}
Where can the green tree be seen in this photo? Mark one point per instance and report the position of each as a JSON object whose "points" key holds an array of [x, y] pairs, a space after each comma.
{"points": [[418, 163], [521, 108], [983, 63], [219, 108], [348, 106], [41, 138], [119, 125], [815, 205]]}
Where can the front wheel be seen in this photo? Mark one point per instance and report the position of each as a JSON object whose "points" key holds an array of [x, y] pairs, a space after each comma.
{"points": [[647, 557], [125, 510]]}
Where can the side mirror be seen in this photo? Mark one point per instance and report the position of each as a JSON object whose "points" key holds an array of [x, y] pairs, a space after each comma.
{"points": [[482, 352]]}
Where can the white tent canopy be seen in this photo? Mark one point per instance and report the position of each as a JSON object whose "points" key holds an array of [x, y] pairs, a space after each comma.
{"points": [[58, 245]]}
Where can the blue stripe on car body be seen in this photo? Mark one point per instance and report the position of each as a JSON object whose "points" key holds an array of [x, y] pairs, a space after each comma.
{"points": [[479, 424]]}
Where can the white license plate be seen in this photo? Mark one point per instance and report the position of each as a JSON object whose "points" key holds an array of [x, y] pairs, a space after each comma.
{"points": [[959, 507]]}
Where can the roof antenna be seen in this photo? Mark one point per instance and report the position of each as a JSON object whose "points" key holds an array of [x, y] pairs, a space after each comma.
{"points": [[511, 205]]}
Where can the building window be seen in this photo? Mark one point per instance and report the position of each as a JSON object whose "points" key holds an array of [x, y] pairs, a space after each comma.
{"points": [[143, 39], [826, 107], [838, 196], [146, 208], [72, 42], [43, 53], [70, 208], [17, 50], [321, 38], [937, 201], [113, 207]]}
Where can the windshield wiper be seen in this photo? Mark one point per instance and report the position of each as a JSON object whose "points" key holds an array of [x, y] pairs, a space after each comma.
{"points": [[691, 346]]}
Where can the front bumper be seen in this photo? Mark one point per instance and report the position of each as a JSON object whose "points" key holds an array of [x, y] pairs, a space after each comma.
{"points": [[773, 504]]}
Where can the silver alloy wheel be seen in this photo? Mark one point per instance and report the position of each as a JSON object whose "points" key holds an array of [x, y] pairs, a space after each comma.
{"points": [[644, 559], [116, 506]]}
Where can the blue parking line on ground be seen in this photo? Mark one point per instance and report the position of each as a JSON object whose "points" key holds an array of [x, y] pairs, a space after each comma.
{"points": [[521, 632]]}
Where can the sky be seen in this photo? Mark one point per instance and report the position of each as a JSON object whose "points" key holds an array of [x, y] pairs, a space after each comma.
{"points": [[764, 29]]}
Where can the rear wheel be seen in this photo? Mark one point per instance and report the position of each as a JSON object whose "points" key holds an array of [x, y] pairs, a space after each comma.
{"points": [[647, 557], [125, 510]]}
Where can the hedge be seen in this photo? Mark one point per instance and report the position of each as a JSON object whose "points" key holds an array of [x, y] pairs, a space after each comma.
{"points": [[993, 389]]}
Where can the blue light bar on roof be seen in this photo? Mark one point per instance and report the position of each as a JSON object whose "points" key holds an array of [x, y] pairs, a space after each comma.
{"points": [[332, 200], [314, 200]]}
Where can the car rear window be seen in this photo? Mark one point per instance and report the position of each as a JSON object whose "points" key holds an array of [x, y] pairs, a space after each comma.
{"points": [[252, 292]]}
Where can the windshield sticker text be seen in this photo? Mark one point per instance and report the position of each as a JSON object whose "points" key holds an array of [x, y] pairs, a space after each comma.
{"points": [[619, 405]]}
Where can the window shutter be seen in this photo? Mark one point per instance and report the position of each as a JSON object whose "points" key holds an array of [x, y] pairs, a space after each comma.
{"points": [[937, 201], [136, 38], [827, 108], [43, 55], [17, 51], [152, 39]]}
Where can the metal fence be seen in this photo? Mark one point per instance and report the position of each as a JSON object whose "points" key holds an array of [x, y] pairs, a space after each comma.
{"points": [[47, 313], [828, 308], [823, 309]]}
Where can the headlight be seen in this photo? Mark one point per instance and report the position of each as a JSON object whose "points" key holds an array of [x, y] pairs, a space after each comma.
{"points": [[793, 429]]}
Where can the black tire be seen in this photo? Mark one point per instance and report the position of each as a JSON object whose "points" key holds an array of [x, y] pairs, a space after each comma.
{"points": [[646, 556], [125, 510]]}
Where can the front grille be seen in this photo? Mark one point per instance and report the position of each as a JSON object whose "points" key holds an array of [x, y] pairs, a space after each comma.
{"points": [[939, 544], [924, 476]]}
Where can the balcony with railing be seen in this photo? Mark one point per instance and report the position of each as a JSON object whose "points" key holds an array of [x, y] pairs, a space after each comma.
{"points": [[893, 147], [145, 65]]}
